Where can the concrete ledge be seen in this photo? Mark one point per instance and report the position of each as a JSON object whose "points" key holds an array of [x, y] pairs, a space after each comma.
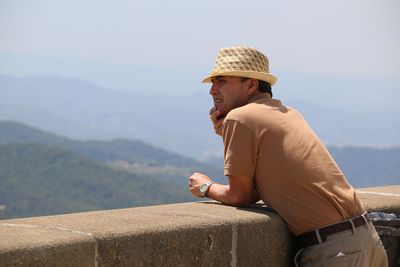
{"points": [[187, 234], [25, 245]]}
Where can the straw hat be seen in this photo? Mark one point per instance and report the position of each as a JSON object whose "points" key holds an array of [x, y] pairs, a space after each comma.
{"points": [[241, 61]]}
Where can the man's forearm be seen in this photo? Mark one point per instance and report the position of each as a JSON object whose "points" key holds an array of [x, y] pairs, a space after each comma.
{"points": [[239, 192], [225, 195]]}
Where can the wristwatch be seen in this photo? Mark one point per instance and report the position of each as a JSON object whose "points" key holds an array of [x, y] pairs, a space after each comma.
{"points": [[204, 188]]}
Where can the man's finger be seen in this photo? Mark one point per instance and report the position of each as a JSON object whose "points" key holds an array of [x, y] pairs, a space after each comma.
{"points": [[212, 110], [214, 116]]}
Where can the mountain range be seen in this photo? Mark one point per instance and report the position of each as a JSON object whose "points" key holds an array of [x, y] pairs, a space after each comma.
{"points": [[82, 110]]}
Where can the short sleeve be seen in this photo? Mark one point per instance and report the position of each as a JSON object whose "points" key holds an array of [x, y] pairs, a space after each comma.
{"points": [[240, 149]]}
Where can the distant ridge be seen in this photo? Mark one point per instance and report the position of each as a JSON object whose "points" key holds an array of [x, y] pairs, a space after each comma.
{"points": [[133, 151], [368, 166], [83, 110]]}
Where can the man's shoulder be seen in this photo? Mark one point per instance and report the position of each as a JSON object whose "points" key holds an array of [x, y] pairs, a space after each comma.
{"points": [[256, 113], [251, 109], [240, 112]]}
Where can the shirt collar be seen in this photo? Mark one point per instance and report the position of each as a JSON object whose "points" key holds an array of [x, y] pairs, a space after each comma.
{"points": [[262, 96], [265, 98]]}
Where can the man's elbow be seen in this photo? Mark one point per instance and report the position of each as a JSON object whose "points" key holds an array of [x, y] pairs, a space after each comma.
{"points": [[241, 201]]}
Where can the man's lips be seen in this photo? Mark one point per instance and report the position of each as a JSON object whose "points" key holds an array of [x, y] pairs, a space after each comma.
{"points": [[217, 100]]}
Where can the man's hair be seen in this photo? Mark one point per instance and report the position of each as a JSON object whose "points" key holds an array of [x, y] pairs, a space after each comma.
{"points": [[263, 86]]}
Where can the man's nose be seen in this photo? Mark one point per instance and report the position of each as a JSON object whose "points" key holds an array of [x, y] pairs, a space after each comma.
{"points": [[213, 90]]}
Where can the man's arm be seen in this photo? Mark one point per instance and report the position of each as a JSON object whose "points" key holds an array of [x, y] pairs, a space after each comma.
{"points": [[239, 192]]}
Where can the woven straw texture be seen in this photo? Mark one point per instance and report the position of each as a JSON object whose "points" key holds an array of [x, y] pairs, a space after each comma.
{"points": [[242, 61]]}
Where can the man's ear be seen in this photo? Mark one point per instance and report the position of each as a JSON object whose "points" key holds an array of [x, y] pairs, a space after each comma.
{"points": [[253, 86]]}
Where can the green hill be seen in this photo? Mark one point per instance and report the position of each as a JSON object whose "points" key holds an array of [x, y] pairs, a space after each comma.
{"points": [[132, 155], [39, 180]]}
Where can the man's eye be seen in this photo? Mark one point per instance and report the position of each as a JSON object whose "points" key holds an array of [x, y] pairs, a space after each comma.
{"points": [[219, 82]]}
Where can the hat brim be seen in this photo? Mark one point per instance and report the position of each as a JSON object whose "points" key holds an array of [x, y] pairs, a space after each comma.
{"points": [[271, 79]]}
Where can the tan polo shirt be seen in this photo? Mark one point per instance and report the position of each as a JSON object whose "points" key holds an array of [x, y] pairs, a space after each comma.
{"points": [[293, 171]]}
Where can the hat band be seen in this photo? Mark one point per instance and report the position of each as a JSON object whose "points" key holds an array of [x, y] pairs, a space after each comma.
{"points": [[271, 79]]}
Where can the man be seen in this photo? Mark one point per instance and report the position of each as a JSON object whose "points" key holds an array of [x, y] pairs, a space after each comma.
{"points": [[271, 153]]}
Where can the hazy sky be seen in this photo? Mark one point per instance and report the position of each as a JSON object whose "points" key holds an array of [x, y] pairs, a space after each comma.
{"points": [[118, 43]]}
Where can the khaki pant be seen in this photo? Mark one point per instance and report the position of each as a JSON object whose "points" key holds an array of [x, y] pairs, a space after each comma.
{"points": [[360, 247]]}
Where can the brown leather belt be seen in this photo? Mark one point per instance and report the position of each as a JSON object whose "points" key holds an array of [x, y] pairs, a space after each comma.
{"points": [[311, 238]]}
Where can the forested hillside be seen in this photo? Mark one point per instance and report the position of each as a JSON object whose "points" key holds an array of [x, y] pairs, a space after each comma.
{"points": [[42, 173], [38, 180], [132, 155]]}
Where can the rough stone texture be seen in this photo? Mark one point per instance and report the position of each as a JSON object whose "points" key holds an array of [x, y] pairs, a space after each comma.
{"points": [[25, 245], [184, 247], [187, 234], [254, 244]]}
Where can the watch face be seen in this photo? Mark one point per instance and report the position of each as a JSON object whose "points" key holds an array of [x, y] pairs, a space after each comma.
{"points": [[203, 188]]}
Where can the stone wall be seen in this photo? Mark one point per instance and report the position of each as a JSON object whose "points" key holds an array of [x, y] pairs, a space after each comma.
{"points": [[187, 234]]}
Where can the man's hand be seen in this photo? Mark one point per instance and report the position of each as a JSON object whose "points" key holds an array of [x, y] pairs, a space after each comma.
{"points": [[195, 182], [214, 113]]}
